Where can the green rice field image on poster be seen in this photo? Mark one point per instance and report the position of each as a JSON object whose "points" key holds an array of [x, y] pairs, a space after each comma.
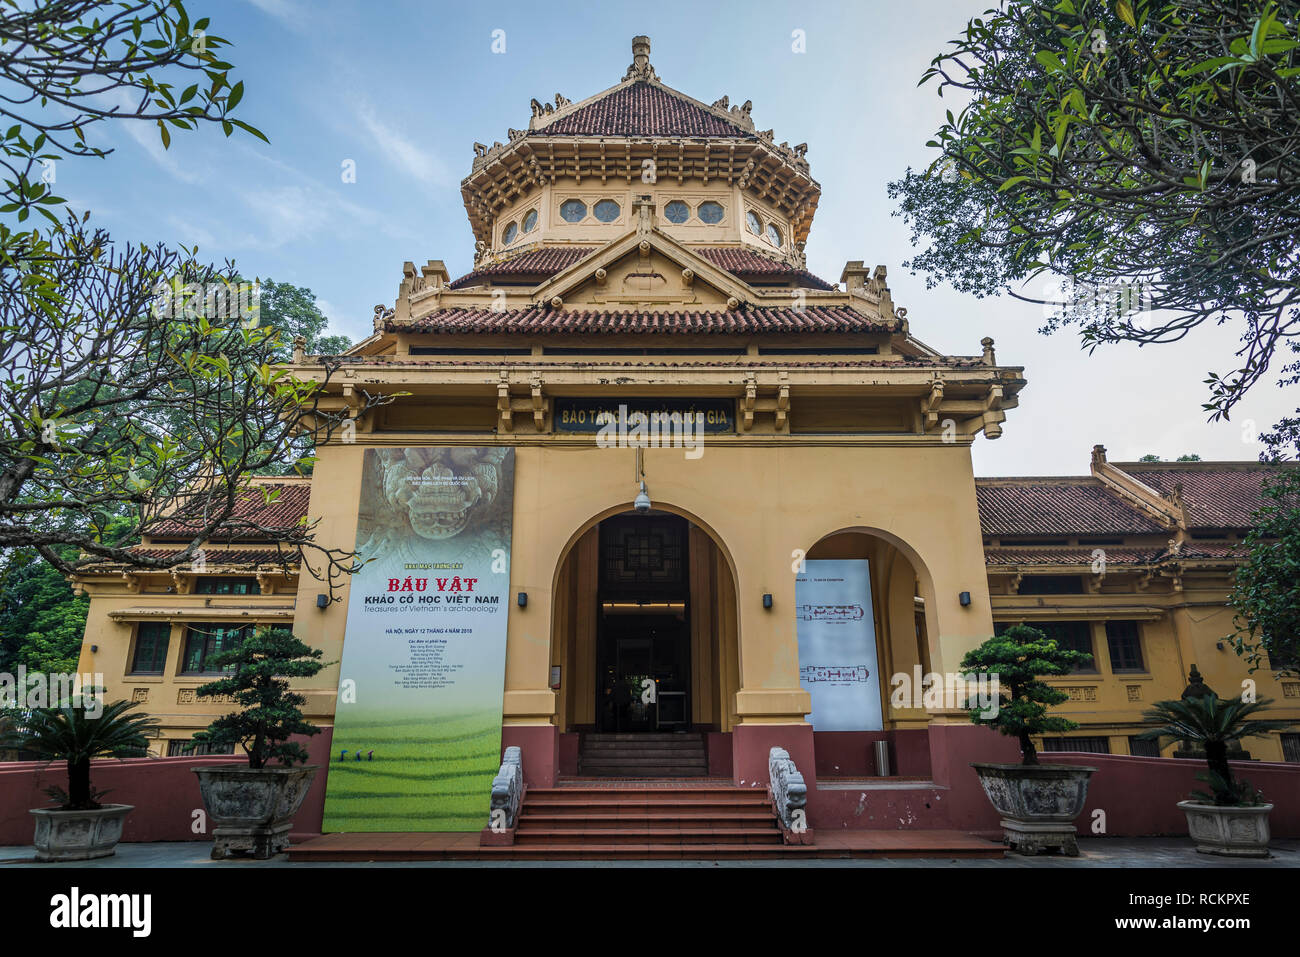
{"points": [[417, 730]]}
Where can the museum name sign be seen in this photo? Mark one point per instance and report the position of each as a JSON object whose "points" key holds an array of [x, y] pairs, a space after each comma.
{"points": [[588, 416]]}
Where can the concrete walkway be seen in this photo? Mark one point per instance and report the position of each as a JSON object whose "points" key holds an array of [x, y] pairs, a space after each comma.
{"points": [[1093, 852]]}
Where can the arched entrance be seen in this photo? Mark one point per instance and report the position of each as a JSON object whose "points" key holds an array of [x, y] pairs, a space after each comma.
{"points": [[898, 593], [644, 638]]}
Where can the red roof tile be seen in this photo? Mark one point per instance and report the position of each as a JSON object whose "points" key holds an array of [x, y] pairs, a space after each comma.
{"points": [[747, 262], [1215, 496], [285, 512], [545, 262], [1068, 507], [771, 362], [1069, 555], [214, 557], [741, 321], [641, 109]]}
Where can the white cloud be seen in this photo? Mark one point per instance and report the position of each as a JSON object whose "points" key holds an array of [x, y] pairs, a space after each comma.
{"points": [[417, 162]]}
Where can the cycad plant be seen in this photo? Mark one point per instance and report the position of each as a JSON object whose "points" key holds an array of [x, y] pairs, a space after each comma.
{"points": [[72, 734], [1214, 723]]}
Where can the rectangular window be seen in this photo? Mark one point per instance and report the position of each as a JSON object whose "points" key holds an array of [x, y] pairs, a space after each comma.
{"points": [[1051, 585], [1074, 635], [1087, 745], [225, 586], [1290, 748], [1143, 749], [192, 750], [1125, 646], [151, 641], [204, 641]]}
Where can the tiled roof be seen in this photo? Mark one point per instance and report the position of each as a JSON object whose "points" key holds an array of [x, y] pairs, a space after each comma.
{"points": [[285, 512], [1214, 496], [544, 262], [214, 557], [1030, 555], [770, 362], [741, 321], [749, 263], [1065, 507], [641, 109], [1069, 555]]}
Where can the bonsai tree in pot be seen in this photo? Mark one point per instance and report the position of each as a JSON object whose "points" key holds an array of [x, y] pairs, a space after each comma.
{"points": [[251, 807], [1038, 803], [80, 828], [1232, 819]]}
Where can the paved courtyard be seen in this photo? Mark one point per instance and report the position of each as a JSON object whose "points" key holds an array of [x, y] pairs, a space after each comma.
{"points": [[1093, 852]]}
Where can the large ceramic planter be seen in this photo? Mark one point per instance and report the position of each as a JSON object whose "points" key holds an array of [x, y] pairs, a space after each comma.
{"points": [[251, 809], [1229, 831], [1038, 803], [78, 835]]}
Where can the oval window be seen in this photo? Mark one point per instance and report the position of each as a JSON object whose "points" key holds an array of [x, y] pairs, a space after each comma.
{"points": [[606, 210], [573, 211], [755, 224], [509, 235], [530, 220], [710, 212], [677, 212], [774, 234]]}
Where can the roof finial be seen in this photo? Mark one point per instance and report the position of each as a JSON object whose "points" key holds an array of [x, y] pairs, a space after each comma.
{"points": [[640, 68]]}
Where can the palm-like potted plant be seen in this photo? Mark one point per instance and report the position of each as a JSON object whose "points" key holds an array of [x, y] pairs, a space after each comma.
{"points": [[1232, 819], [251, 808], [80, 828], [1038, 802]]}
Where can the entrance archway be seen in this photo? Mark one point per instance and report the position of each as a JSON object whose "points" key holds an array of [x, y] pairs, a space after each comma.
{"points": [[644, 630]]}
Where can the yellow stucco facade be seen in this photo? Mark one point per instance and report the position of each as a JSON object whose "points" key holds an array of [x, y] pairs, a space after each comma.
{"points": [[848, 437]]}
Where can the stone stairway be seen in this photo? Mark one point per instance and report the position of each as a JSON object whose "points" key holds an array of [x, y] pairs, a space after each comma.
{"points": [[643, 755], [655, 821]]}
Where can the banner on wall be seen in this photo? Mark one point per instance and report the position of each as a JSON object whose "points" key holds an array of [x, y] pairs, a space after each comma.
{"points": [[417, 730], [837, 645]]}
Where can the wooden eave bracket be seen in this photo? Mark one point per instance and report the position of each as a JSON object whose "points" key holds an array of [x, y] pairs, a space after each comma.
{"points": [[536, 402], [778, 404]]}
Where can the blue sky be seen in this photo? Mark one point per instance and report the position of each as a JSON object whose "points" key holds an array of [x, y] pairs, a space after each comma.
{"points": [[403, 89]]}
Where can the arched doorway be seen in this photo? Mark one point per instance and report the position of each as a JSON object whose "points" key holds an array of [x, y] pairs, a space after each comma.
{"points": [[897, 591], [644, 634]]}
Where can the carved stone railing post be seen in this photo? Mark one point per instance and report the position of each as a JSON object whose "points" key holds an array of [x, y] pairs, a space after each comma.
{"points": [[507, 797], [789, 796]]}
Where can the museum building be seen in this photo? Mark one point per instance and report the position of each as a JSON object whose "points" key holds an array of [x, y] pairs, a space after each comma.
{"points": [[688, 427]]}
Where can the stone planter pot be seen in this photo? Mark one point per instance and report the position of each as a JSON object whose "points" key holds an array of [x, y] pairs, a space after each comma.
{"points": [[251, 809], [1228, 831], [78, 835], [1038, 803]]}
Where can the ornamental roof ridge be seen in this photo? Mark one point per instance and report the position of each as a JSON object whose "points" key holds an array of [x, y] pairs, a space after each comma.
{"points": [[640, 71]]}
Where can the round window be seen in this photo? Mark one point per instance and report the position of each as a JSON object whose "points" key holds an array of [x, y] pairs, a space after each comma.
{"points": [[509, 235], [774, 234], [710, 212], [755, 224], [677, 211], [530, 220], [606, 210], [573, 211]]}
